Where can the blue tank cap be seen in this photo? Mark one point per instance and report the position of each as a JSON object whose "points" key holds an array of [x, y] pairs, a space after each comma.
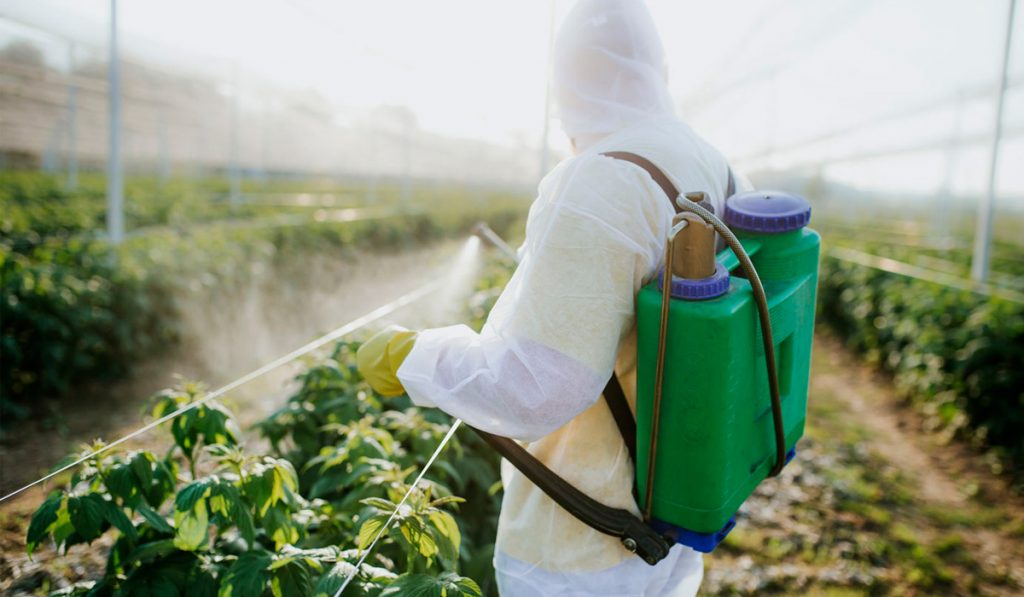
{"points": [[697, 289], [767, 212]]}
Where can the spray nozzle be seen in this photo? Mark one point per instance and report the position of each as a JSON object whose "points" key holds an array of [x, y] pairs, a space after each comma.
{"points": [[484, 232]]}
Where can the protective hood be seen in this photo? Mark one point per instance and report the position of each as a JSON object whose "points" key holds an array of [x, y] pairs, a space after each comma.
{"points": [[609, 69]]}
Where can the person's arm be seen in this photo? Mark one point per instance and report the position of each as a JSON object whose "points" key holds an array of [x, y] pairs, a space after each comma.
{"points": [[549, 344]]}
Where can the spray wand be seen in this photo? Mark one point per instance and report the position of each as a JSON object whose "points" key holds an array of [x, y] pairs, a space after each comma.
{"points": [[484, 232]]}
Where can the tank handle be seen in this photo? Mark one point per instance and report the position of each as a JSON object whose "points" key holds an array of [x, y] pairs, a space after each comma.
{"points": [[760, 299]]}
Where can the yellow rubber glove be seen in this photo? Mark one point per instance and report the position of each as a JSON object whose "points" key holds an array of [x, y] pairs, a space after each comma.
{"points": [[380, 357]]}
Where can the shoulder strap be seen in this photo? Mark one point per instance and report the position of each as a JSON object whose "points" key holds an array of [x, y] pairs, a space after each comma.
{"points": [[655, 172], [636, 536], [616, 400], [659, 177]]}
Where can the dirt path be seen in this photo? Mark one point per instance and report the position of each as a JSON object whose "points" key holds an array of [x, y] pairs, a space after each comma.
{"points": [[873, 505]]}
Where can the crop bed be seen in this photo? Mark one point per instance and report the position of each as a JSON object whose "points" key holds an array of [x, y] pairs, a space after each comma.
{"points": [[76, 309], [957, 354], [212, 518]]}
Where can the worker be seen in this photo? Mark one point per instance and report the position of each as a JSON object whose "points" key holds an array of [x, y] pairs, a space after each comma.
{"points": [[595, 234]]}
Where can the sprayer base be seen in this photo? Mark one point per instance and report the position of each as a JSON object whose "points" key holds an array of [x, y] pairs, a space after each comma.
{"points": [[702, 542]]}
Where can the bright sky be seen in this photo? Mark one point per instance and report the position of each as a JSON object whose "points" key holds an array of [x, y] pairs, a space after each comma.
{"points": [[751, 75]]}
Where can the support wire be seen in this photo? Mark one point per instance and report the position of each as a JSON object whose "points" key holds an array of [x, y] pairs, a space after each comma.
{"points": [[383, 529], [344, 330]]}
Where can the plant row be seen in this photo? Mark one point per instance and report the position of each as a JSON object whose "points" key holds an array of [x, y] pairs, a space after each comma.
{"points": [[77, 310], [958, 354], [209, 518]]}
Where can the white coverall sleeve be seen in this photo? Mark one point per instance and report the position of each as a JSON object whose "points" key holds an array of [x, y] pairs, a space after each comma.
{"points": [[550, 343]]}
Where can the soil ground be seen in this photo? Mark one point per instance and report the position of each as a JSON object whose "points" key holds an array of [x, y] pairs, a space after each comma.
{"points": [[872, 505]]}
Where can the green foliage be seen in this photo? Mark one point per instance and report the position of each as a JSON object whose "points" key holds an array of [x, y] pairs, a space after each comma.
{"points": [[208, 423], [352, 447], [76, 309], [421, 585], [958, 354], [233, 524]]}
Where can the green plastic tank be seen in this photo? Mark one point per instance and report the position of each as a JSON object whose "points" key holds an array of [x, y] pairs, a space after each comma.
{"points": [[716, 441]]}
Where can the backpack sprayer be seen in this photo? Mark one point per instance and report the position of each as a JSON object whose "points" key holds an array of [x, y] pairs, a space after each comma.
{"points": [[723, 352]]}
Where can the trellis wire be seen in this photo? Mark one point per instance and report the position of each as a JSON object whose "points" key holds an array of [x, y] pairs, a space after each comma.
{"points": [[344, 330]]}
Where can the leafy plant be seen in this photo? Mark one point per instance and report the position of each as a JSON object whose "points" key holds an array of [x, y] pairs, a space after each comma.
{"points": [[233, 524], [957, 354], [76, 309]]}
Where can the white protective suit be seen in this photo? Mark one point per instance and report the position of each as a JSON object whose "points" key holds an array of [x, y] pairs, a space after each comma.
{"points": [[595, 234]]}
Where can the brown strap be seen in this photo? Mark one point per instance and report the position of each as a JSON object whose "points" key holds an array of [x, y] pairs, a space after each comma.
{"points": [[616, 400], [636, 536], [666, 185], [655, 172]]}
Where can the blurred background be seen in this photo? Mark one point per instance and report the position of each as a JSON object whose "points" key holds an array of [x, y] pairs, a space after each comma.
{"points": [[887, 102], [193, 188]]}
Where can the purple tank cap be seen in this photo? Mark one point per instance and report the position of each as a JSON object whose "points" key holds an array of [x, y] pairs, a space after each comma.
{"points": [[695, 289], [769, 212]]}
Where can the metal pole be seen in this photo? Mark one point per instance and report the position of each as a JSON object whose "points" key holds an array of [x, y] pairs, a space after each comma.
{"points": [[544, 150], [115, 182], [72, 182], [406, 195], [235, 169], [164, 169], [941, 217], [983, 230]]}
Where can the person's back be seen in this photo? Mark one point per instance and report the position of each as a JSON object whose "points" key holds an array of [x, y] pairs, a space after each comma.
{"points": [[566, 320], [541, 548]]}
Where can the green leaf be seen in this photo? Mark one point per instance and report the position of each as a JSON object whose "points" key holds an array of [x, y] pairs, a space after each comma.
{"points": [[192, 493], [244, 523], [43, 520], [247, 577], [63, 530], [332, 580], [278, 524], [193, 527], [155, 519], [87, 515], [116, 517], [422, 585], [165, 576], [443, 501], [286, 472], [219, 505], [201, 583], [368, 532], [259, 488], [414, 532], [291, 579], [164, 483], [153, 550], [121, 482], [142, 466], [381, 504], [446, 533]]}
